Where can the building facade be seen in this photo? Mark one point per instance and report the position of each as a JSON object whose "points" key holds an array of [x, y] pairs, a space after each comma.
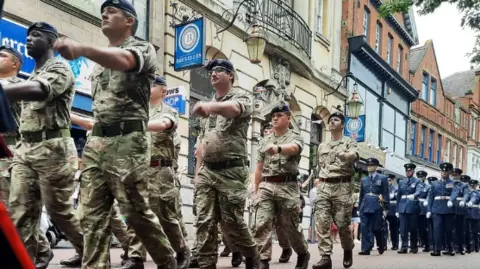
{"points": [[439, 123], [465, 86], [376, 51]]}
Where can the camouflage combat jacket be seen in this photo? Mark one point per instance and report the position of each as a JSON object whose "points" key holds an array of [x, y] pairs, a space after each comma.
{"points": [[330, 165], [163, 146]]}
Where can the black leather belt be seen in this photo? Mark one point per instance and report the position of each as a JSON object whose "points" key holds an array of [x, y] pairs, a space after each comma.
{"points": [[281, 179], [226, 164], [36, 137], [119, 128], [161, 163]]}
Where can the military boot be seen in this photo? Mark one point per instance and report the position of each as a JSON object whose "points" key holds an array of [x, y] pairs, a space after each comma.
{"points": [[43, 259], [133, 263], [252, 263], [124, 257], [194, 263], [302, 261], [264, 265], [286, 254], [226, 252], [171, 264], [73, 262], [347, 258], [183, 259], [324, 263], [237, 259]]}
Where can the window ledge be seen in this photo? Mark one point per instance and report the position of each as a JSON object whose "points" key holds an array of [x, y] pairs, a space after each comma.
{"points": [[322, 40]]}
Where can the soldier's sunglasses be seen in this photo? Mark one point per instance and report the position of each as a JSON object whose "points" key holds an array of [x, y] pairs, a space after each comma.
{"points": [[217, 69]]}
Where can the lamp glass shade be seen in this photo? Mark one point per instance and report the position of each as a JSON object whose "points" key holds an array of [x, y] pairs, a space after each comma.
{"points": [[256, 44], [354, 105]]}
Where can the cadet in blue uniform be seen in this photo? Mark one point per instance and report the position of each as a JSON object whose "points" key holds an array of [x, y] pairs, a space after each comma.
{"points": [[440, 204], [408, 209], [373, 204], [392, 209], [429, 220], [461, 184], [422, 217], [473, 218]]}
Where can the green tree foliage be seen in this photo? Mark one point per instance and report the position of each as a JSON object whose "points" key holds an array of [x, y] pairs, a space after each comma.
{"points": [[470, 10]]}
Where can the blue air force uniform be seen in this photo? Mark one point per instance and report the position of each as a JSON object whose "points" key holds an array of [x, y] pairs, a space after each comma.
{"points": [[408, 210], [441, 197], [392, 209], [422, 218], [472, 219], [373, 201], [460, 212]]}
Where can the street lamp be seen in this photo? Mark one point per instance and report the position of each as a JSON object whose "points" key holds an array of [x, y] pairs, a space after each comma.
{"points": [[256, 41], [354, 102]]}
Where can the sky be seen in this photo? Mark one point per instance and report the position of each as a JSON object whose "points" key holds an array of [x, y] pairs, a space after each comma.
{"points": [[450, 40]]}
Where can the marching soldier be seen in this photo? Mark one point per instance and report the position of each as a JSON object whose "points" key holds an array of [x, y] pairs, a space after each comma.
{"points": [[408, 209], [222, 168], [423, 229], [460, 211], [45, 161], [336, 160], [440, 203], [392, 209], [277, 190], [374, 201], [429, 220], [472, 218], [116, 156]]}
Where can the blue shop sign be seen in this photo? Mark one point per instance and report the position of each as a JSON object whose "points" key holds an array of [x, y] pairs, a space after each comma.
{"points": [[15, 35], [355, 128], [176, 98], [189, 45]]}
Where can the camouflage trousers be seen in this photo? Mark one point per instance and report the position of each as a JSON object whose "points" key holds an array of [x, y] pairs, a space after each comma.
{"points": [[114, 168], [163, 197], [179, 204], [220, 197], [5, 180], [42, 173], [282, 235], [334, 201], [119, 227], [278, 201]]}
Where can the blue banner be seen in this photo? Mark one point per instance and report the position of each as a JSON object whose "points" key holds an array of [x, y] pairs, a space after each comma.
{"points": [[176, 98], [15, 35], [189, 45], [355, 128]]}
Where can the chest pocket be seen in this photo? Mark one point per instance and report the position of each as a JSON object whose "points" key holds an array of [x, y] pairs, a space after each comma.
{"points": [[95, 79]]}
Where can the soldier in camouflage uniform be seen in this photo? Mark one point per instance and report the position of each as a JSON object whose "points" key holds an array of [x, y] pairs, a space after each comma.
{"points": [[222, 168], [277, 190], [163, 193], [45, 159], [117, 152], [336, 160]]}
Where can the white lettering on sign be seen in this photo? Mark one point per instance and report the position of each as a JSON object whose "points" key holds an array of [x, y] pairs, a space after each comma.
{"points": [[179, 90], [17, 45]]}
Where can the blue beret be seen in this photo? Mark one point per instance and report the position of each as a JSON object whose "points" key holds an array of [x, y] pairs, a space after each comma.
{"points": [[422, 174], [337, 115], [160, 81], [409, 166], [221, 63], [120, 4], [458, 171], [446, 167], [43, 27], [373, 161], [13, 51], [282, 107]]}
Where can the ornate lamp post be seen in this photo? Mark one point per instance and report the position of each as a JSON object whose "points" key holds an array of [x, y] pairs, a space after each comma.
{"points": [[354, 103], [256, 41]]}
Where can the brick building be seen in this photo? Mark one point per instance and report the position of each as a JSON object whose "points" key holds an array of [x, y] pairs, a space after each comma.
{"points": [[465, 87], [439, 122], [376, 51]]}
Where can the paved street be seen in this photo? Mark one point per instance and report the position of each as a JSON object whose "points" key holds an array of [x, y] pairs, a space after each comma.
{"points": [[389, 260]]}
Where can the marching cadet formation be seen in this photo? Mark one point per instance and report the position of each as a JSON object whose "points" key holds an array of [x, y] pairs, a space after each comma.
{"points": [[129, 167]]}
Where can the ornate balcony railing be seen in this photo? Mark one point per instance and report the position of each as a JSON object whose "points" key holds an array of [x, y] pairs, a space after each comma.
{"points": [[279, 18]]}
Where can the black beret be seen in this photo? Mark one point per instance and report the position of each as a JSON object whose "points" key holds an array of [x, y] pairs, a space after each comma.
{"points": [[13, 51], [446, 167], [430, 179], [282, 107], [373, 161], [422, 174], [268, 126], [120, 4], [43, 27], [160, 81], [458, 171], [410, 166], [337, 115], [220, 63]]}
